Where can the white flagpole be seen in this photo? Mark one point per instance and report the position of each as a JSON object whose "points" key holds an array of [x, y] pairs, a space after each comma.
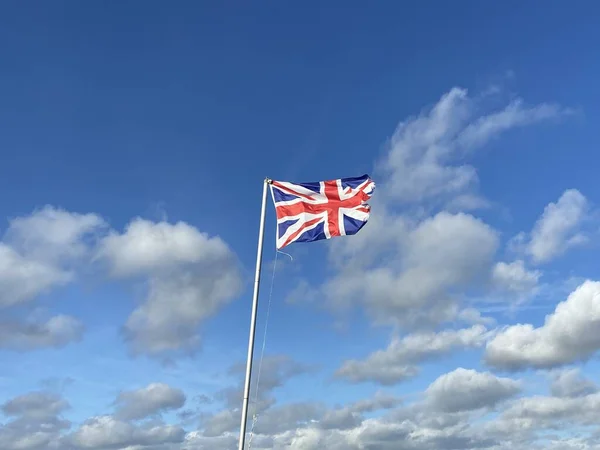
{"points": [[261, 233]]}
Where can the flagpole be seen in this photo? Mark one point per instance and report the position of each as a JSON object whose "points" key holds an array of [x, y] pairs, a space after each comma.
{"points": [[261, 233]]}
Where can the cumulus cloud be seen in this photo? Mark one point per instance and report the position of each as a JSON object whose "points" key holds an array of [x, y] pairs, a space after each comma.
{"points": [[465, 390], [54, 234], [570, 383], [176, 305], [547, 412], [452, 414], [439, 254], [407, 265], [36, 422], [281, 419], [515, 114], [35, 405], [350, 416], [23, 279], [360, 371], [276, 370], [568, 335], [39, 252], [104, 432], [55, 332], [515, 278], [423, 152], [413, 269], [383, 433], [473, 316], [148, 247], [448, 419], [189, 277], [147, 401], [398, 361], [558, 228], [285, 417]]}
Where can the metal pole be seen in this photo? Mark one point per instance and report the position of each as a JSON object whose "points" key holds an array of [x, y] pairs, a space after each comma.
{"points": [[261, 233]]}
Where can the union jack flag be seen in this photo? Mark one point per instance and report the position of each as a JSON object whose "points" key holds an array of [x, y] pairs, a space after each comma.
{"points": [[309, 212]]}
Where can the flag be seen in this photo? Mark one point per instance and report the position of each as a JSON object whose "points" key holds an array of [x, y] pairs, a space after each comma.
{"points": [[308, 212]]}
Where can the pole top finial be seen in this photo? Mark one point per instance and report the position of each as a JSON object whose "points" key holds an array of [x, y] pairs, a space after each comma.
{"points": [[268, 180]]}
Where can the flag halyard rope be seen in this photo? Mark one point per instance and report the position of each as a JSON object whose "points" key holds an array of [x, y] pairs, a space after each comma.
{"points": [[262, 353]]}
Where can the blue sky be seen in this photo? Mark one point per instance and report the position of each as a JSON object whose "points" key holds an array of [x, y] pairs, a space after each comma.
{"points": [[135, 138]]}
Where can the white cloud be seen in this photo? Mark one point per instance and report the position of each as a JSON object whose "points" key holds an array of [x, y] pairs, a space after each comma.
{"points": [[387, 374], [380, 434], [176, 305], [276, 370], [453, 413], [515, 278], [351, 415], [189, 277], [412, 262], [195, 440], [152, 399], [473, 316], [570, 383], [467, 202], [223, 421], [53, 234], [281, 418], [56, 332], [37, 425], [37, 404], [568, 335], [558, 227], [514, 115], [22, 279], [419, 165], [35, 422], [420, 147], [410, 266], [104, 432], [40, 251], [465, 390], [398, 361], [543, 411], [441, 253], [385, 235], [404, 268], [148, 247]]}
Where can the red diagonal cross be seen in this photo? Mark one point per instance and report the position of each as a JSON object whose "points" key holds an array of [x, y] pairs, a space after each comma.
{"points": [[331, 207]]}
